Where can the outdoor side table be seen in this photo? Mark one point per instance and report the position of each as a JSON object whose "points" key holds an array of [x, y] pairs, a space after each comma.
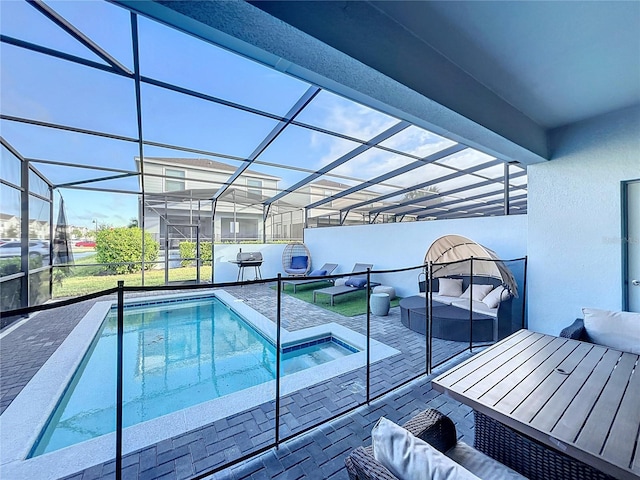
{"points": [[380, 304]]}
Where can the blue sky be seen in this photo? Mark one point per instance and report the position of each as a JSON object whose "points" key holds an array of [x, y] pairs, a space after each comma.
{"points": [[40, 87]]}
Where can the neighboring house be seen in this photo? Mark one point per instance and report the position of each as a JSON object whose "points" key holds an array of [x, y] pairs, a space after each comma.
{"points": [[179, 192], [328, 213], [39, 229], [9, 226]]}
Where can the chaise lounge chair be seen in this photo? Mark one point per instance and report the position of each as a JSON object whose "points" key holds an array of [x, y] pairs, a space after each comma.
{"points": [[351, 284], [328, 269]]}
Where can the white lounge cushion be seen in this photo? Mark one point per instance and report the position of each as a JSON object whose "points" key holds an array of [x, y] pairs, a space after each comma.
{"points": [[478, 292], [619, 330], [410, 458], [495, 296], [443, 298], [440, 298], [477, 307], [450, 287], [480, 464]]}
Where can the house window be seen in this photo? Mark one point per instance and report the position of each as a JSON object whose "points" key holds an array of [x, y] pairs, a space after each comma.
{"points": [[176, 182], [327, 194], [254, 187]]}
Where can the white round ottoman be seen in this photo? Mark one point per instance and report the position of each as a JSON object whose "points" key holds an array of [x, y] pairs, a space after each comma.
{"points": [[385, 289], [380, 304]]}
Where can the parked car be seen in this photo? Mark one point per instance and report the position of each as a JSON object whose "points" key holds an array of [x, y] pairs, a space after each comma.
{"points": [[86, 244], [12, 249]]}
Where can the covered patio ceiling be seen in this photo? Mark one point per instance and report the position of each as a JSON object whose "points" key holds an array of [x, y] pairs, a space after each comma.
{"points": [[158, 92]]}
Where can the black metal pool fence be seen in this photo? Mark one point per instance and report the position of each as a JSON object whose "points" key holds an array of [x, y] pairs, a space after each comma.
{"points": [[425, 279]]}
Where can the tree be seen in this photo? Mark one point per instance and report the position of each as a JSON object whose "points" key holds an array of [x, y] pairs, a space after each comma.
{"points": [[12, 232], [133, 222]]}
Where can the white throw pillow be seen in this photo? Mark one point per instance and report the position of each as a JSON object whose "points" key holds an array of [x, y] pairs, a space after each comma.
{"points": [[495, 296], [450, 287], [410, 458], [479, 292], [619, 330]]}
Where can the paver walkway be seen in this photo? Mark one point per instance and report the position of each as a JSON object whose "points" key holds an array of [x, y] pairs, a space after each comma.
{"points": [[317, 454]]}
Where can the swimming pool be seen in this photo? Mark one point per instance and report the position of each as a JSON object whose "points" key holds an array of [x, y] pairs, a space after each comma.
{"points": [[26, 417], [177, 353]]}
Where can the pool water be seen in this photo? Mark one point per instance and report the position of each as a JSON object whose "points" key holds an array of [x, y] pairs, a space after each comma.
{"points": [[176, 355]]}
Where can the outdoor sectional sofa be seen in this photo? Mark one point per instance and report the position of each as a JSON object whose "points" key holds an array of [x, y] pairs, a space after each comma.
{"points": [[451, 314], [615, 329]]}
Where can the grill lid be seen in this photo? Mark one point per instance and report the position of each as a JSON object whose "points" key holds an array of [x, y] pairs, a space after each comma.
{"points": [[249, 257]]}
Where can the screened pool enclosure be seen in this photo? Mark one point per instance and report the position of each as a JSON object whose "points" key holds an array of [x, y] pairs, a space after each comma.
{"points": [[184, 144]]}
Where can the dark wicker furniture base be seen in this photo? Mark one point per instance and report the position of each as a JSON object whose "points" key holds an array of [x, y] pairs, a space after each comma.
{"points": [[449, 322], [526, 456]]}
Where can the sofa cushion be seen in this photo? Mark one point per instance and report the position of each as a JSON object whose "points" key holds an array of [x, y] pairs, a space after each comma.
{"points": [[450, 287], [410, 458], [357, 282], [479, 292], [495, 296], [299, 262], [619, 330], [318, 273], [480, 464], [296, 271], [443, 298], [477, 307]]}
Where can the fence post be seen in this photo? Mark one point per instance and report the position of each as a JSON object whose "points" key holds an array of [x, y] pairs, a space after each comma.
{"points": [[471, 305], [119, 380], [278, 343], [368, 335], [428, 312], [524, 293]]}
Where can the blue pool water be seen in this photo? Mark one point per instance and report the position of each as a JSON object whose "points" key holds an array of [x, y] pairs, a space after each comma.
{"points": [[176, 355]]}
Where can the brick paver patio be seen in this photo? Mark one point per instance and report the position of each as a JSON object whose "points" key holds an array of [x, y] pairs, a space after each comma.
{"points": [[317, 454]]}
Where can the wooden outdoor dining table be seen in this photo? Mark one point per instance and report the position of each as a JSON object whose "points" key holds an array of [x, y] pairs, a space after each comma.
{"points": [[576, 398]]}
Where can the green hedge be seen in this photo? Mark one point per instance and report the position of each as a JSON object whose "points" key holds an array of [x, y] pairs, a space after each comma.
{"points": [[188, 250], [121, 249], [9, 266]]}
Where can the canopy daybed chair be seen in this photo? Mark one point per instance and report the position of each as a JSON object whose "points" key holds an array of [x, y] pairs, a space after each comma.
{"points": [[454, 261], [447, 254], [296, 259], [324, 270]]}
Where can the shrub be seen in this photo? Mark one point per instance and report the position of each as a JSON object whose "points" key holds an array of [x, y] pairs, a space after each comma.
{"points": [[121, 249], [188, 250], [9, 266]]}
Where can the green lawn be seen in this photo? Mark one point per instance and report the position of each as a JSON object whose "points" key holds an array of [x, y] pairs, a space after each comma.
{"points": [[86, 279], [348, 305]]}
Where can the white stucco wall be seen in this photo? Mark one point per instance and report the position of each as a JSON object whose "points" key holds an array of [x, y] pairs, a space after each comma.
{"points": [[574, 211], [228, 272], [397, 245]]}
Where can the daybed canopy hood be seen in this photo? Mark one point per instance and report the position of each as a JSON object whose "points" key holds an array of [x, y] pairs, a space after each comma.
{"points": [[456, 248]]}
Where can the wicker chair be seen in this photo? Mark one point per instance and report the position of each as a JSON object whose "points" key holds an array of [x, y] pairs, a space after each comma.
{"points": [[523, 455], [296, 253], [430, 425]]}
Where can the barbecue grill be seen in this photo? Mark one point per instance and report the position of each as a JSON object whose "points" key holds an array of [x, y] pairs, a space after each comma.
{"points": [[248, 259]]}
